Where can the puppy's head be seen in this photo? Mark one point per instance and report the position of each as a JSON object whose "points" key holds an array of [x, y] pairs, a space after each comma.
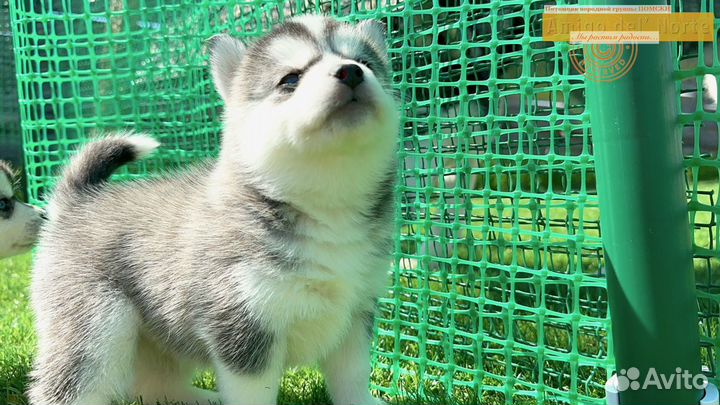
{"points": [[19, 223], [313, 84]]}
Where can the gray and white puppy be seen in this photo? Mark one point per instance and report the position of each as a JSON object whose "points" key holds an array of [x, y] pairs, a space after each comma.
{"points": [[271, 257], [19, 222]]}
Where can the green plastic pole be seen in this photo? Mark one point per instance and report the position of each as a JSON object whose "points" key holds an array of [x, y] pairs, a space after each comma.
{"points": [[644, 221]]}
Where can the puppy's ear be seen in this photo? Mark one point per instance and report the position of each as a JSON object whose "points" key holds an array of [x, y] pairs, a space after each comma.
{"points": [[374, 31], [5, 167], [7, 170], [226, 53]]}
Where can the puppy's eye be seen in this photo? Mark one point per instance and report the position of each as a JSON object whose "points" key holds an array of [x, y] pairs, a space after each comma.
{"points": [[365, 62], [290, 80], [5, 204]]}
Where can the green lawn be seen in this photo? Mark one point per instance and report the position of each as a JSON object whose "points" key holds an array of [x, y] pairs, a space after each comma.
{"points": [[17, 339]]}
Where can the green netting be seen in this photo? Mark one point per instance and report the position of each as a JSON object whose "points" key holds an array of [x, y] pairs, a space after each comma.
{"points": [[498, 293]]}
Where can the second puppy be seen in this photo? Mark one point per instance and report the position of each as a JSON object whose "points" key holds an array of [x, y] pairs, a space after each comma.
{"points": [[19, 222]]}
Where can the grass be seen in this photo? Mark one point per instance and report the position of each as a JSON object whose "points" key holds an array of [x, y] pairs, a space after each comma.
{"points": [[17, 340]]}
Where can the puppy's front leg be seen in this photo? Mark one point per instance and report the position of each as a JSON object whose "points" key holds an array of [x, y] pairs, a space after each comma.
{"points": [[240, 384], [249, 388], [249, 359], [347, 368]]}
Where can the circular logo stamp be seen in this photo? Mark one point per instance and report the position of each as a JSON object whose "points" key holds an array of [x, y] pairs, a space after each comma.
{"points": [[604, 62], [627, 379]]}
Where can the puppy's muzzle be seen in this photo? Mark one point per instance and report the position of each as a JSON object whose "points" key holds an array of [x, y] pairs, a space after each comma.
{"points": [[350, 75]]}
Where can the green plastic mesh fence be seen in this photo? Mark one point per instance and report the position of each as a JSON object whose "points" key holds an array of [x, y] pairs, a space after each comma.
{"points": [[697, 70], [10, 137], [498, 291]]}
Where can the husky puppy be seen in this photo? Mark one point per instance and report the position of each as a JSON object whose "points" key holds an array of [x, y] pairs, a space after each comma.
{"points": [[271, 257], [19, 223]]}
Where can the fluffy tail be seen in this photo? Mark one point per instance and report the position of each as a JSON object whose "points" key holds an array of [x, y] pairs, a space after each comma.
{"points": [[92, 166]]}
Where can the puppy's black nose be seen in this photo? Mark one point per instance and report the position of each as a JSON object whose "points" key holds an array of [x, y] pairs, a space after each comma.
{"points": [[351, 75]]}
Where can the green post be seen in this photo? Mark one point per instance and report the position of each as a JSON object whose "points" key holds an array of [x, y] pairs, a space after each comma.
{"points": [[644, 222]]}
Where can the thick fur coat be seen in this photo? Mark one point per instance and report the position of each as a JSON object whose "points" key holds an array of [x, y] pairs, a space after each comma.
{"points": [[271, 257]]}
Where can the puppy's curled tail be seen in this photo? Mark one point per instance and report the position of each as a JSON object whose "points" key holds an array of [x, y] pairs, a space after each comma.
{"points": [[89, 170]]}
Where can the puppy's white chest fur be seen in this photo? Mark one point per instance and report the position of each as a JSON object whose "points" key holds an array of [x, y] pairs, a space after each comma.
{"points": [[339, 274]]}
